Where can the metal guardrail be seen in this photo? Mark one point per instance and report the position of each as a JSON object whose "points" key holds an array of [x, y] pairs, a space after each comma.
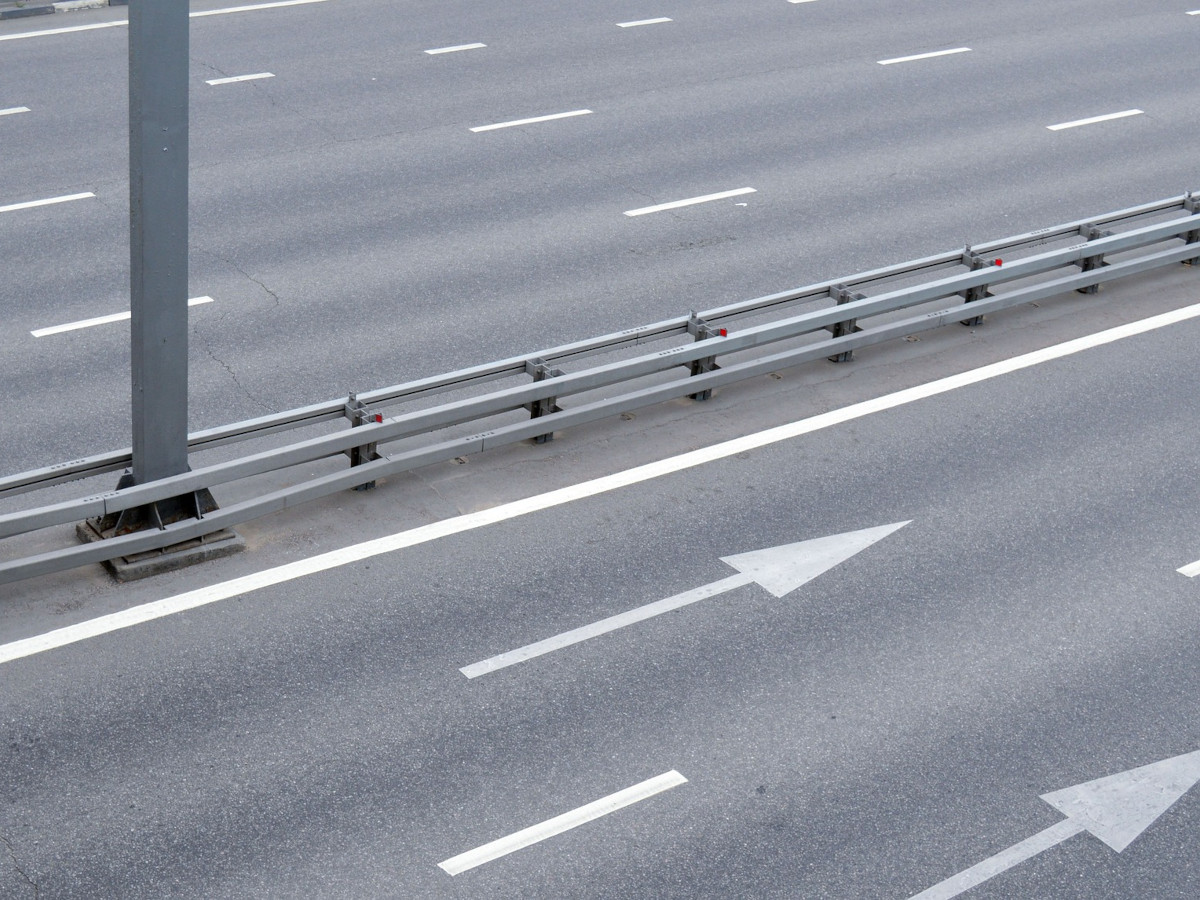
{"points": [[988, 285]]}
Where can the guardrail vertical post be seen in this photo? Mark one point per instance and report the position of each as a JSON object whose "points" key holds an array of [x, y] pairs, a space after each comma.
{"points": [[841, 296], [359, 415], [1090, 263], [702, 331], [1191, 204], [540, 371], [975, 262]]}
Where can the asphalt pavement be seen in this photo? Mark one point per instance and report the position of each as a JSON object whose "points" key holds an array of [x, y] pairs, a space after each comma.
{"points": [[343, 211], [885, 725], [896, 718]]}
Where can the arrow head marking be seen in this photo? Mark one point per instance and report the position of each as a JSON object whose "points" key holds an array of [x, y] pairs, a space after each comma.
{"points": [[1118, 808], [783, 569]]}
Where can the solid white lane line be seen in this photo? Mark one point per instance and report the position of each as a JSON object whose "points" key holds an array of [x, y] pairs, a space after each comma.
{"points": [[13, 110], [251, 8], [235, 78], [643, 22], [676, 204], [101, 320], [551, 827], [356, 553], [1191, 570], [1094, 119], [47, 202], [46, 31], [604, 626], [902, 59], [118, 22], [1194, 12], [455, 48], [565, 115]]}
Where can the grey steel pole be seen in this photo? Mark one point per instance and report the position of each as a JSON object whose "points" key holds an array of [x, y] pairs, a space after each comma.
{"points": [[158, 235]]}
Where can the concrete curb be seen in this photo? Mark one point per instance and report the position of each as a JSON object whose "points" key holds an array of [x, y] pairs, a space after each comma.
{"points": [[9, 11]]}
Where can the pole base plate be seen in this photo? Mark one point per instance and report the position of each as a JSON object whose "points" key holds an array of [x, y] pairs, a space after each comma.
{"points": [[221, 543]]}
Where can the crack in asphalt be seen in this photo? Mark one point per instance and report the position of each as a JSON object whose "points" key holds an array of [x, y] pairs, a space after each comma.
{"points": [[207, 346], [274, 100], [233, 265], [274, 296], [210, 67], [17, 865]]}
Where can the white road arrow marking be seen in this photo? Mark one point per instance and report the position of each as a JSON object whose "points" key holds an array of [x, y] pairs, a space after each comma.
{"points": [[1115, 809], [1191, 570], [778, 569]]}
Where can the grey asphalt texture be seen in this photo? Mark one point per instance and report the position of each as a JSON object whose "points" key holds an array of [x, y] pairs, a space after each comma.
{"points": [[359, 225], [890, 724]]}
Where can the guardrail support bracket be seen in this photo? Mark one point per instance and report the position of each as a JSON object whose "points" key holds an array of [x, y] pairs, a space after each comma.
{"points": [[1091, 263], [1192, 204], [702, 331], [358, 414], [539, 371], [975, 262], [841, 295]]}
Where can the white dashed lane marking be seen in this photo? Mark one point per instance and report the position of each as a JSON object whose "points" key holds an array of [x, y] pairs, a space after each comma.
{"points": [[49, 201], [455, 48], [536, 833], [657, 21], [119, 22], [1094, 119], [534, 120], [101, 320], [936, 53], [691, 201], [234, 78]]}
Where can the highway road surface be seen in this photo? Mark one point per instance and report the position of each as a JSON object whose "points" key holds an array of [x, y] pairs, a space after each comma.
{"points": [[813, 638]]}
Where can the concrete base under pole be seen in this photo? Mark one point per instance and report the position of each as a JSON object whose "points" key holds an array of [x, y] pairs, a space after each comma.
{"points": [[223, 542], [155, 562]]}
